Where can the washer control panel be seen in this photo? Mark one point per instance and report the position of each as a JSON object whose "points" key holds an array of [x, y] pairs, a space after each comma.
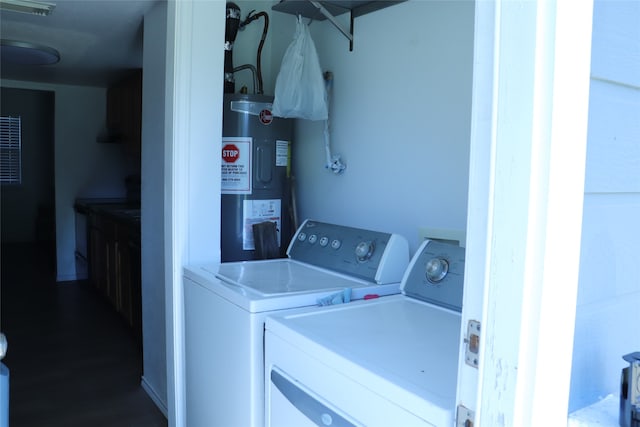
{"points": [[365, 254], [436, 274]]}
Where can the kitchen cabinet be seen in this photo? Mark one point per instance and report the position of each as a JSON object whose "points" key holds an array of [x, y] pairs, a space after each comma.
{"points": [[127, 280], [101, 254], [114, 260], [124, 113]]}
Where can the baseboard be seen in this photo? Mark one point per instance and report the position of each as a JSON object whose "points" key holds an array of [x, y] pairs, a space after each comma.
{"points": [[154, 396]]}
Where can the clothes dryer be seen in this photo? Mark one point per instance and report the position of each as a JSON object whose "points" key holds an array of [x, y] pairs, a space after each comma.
{"points": [[391, 361]]}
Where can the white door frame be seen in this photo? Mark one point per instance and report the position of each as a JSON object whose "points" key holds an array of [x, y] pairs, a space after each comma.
{"points": [[193, 121], [528, 147]]}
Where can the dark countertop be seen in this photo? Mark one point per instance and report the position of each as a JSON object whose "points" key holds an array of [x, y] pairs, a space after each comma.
{"points": [[119, 209], [86, 204]]}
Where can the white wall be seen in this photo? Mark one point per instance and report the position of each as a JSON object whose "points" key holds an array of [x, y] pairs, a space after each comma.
{"points": [[83, 167], [400, 114], [609, 289], [154, 376]]}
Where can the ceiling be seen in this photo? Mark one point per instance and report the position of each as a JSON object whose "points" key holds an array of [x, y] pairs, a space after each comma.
{"points": [[98, 41]]}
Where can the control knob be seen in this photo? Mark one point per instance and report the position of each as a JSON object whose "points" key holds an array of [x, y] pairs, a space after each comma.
{"points": [[436, 269], [364, 251]]}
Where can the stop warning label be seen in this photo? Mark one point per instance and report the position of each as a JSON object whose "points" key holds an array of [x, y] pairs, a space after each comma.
{"points": [[230, 153], [236, 165]]}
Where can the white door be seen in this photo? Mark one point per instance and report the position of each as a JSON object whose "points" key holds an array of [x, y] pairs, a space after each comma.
{"points": [[529, 126]]}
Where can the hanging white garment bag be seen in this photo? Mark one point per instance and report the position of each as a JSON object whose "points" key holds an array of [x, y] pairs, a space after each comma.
{"points": [[300, 87]]}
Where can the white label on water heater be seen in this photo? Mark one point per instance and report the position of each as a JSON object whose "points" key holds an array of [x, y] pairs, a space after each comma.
{"points": [[282, 153], [257, 211], [236, 165]]}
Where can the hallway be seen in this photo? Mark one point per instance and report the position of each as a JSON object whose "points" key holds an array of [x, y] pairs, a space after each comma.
{"points": [[72, 359]]}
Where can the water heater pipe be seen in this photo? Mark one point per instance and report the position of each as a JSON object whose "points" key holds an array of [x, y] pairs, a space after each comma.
{"points": [[253, 72], [251, 16], [231, 31], [333, 162]]}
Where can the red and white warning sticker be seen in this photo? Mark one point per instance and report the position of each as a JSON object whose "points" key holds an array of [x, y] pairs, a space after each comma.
{"points": [[236, 165]]}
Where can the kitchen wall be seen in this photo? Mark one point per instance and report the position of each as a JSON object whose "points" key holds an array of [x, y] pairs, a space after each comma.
{"points": [[83, 167], [609, 288], [28, 208], [400, 117]]}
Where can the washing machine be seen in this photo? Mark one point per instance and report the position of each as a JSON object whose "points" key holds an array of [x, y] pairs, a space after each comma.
{"points": [[386, 362], [226, 306]]}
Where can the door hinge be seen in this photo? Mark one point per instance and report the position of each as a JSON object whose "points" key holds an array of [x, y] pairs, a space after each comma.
{"points": [[464, 417], [472, 341]]}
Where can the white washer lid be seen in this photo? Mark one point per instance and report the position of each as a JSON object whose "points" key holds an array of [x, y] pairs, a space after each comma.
{"points": [[402, 348], [283, 276], [309, 284]]}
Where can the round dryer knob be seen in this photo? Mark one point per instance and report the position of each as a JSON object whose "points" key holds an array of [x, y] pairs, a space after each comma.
{"points": [[436, 269], [364, 250]]}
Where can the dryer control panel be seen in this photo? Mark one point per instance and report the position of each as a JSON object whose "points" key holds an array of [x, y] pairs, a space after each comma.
{"points": [[365, 254], [436, 275]]}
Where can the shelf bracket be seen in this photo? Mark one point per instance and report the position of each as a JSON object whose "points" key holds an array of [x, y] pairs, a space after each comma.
{"points": [[334, 21]]}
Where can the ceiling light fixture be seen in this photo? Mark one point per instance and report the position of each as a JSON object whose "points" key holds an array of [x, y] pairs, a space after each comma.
{"points": [[25, 53], [27, 6]]}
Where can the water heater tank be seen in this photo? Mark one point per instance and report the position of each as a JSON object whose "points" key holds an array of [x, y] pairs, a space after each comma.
{"points": [[256, 186]]}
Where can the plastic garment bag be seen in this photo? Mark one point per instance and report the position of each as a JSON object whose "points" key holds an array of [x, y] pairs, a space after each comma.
{"points": [[300, 88]]}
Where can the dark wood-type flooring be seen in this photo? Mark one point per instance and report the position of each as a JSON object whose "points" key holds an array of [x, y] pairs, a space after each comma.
{"points": [[72, 359]]}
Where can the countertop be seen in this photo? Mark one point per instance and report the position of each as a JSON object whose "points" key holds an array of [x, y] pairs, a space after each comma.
{"points": [[116, 208]]}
